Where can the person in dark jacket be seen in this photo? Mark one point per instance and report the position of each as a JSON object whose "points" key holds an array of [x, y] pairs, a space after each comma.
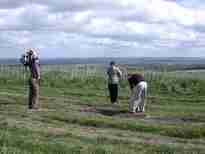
{"points": [[138, 87], [31, 60]]}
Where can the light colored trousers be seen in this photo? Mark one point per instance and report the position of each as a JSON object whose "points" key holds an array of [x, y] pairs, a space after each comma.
{"points": [[33, 93], [137, 97]]}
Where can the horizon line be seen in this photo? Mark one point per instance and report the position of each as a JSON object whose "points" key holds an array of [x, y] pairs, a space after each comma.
{"points": [[199, 57]]}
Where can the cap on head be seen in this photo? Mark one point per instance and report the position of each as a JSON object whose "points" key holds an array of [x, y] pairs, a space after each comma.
{"points": [[112, 63]]}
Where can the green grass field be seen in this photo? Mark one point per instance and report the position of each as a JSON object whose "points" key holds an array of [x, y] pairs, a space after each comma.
{"points": [[77, 118]]}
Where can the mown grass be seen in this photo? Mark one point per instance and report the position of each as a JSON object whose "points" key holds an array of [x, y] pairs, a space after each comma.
{"points": [[174, 122], [51, 140], [30, 142]]}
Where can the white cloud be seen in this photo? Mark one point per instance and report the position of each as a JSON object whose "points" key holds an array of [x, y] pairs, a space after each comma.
{"points": [[104, 25]]}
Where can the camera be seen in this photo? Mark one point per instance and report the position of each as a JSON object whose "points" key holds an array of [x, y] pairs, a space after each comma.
{"points": [[25, 58], [28, 56]]}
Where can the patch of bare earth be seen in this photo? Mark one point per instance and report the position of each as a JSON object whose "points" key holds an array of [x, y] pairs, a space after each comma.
{"points": [[115, 111]]}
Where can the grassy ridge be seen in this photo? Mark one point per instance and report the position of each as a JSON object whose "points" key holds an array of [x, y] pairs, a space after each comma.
{"points": [[76, 116]]}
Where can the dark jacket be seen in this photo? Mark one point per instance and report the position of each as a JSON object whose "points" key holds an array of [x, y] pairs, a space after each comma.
{"points": [[34, 67], [135, 79]]}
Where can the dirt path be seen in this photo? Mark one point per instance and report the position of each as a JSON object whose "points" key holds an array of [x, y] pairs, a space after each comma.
{"points": [[115, 111]]}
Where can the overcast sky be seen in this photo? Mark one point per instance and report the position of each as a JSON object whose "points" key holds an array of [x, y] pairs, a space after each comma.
{"points": [[98, 28]]}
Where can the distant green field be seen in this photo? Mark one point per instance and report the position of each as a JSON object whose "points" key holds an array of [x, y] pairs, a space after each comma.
{"points": [[77, 118]]}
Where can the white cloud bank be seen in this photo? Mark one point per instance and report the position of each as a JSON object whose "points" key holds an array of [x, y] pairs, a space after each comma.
{"points": [[81, 28]]}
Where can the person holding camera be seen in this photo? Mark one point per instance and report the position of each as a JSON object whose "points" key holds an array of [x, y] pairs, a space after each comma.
{"points": [[31, 60]]}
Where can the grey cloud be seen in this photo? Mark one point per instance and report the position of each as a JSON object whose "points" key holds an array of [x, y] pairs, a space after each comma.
{"points": [[75, 5], [12, 4], [192, 3], [50, 23], [199, 28]]}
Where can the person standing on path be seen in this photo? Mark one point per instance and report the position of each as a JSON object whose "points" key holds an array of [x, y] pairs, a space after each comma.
{"points": [[114, 76], [31, 60]]}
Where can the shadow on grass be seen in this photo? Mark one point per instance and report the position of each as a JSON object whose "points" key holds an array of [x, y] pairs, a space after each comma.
{"points": [[110, 111], [106, 111]]}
